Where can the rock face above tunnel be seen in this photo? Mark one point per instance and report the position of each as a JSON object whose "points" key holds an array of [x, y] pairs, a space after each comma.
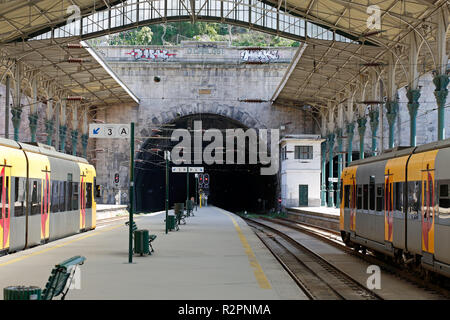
{"points": [[194, 78]]}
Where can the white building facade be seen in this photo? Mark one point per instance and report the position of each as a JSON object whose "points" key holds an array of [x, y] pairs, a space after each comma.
{"points": [[300, 170]]}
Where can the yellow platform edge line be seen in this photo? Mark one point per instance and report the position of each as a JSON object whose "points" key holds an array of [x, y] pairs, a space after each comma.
{"points": [[260, 276], [57, 246]]}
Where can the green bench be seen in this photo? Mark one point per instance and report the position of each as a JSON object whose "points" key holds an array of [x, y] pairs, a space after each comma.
{"points": [[58, 283], [61, 277], [151, 237]]}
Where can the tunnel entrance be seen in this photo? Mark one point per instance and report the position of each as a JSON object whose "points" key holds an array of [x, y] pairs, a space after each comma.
{"points": [[234, 187]]}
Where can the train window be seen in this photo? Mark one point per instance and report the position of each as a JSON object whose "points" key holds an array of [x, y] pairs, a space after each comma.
{"points": [[366, 196], [347, 196], [414, 198], [55, 197], [62, 195], [444, 203], [359, 198], [379, 198], [88, 195], [372, 196], [97, 189], [443, 190], [398, 196], [35, 197], [19, 197], [69, 196], [75, 196]]}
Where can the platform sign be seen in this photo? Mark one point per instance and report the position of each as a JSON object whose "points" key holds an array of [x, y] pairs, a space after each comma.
{"points": [[332, 179], [191, 169], [113, 131]]}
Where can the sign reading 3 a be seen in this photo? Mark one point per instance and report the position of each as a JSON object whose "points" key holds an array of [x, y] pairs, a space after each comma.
{"points": [[109, 130]]}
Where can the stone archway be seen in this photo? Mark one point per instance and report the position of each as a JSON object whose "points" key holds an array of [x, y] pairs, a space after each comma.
{"points": [[186, 109]]}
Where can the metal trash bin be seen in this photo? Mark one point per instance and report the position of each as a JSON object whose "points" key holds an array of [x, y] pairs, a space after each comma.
{"points": [[141, 239], [22, 293], [171, 222]]}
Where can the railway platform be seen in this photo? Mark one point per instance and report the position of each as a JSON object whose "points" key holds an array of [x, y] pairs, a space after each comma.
{"points": [[323, 217], [214, 256]]}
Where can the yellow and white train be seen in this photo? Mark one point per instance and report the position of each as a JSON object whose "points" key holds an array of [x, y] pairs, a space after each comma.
{"points": [[398, 204], [44, 194]]}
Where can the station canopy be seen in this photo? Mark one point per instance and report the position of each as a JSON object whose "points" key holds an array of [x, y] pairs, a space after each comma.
{"points": [[328, 66], [73, 67]]}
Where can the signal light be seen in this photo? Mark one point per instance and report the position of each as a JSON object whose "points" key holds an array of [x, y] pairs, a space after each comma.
{"points": [[116, 178], [206, 179], [200, 179]]}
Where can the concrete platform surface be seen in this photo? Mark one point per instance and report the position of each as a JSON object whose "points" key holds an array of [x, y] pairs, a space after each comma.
{"points": [[214, 256], [320, 210]]}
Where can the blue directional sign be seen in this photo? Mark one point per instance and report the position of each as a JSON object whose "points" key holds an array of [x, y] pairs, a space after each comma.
{"points": [[109, 130]]}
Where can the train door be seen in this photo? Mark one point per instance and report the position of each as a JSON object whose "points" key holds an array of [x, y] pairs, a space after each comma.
{"points": [[428, 196], [5, 214], [353, 204], [388, 207], [82, 201], [45, 205]]}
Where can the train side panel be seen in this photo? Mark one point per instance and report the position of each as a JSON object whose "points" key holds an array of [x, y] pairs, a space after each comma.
{"points": [[347, 219], [394, 217], [38, 199], [370, 220], [12, 199], [87, 214], [64, 220], [442, 225]]}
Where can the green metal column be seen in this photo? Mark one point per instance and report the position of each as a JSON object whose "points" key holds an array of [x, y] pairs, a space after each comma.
{"points": [[361, 130], [16, 117], [33, 118], [340, 165], [130, 243], [49, 131], [84, 144], [74, 135], [62, 138], [330, 175], [441, 92], [374, 115], [413, 105], [391, 114], [350, 131], [323, 193]]}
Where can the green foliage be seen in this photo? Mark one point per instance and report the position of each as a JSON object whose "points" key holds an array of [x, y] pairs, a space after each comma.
{"points": [[172, 33]]}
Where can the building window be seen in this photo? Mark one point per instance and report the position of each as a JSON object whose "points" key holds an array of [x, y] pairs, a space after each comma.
{"points": [[284, 153], [303, 152]]}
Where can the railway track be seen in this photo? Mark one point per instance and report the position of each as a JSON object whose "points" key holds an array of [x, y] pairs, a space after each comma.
{"points": [[318, 278], [333, 238]]}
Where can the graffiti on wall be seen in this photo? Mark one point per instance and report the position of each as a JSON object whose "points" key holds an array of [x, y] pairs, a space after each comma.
{"points": [[151, 54], [205, 49], [259, 55]]}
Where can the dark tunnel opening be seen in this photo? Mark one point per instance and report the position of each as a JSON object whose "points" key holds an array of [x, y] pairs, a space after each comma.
{"points": [[234, 187]]}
